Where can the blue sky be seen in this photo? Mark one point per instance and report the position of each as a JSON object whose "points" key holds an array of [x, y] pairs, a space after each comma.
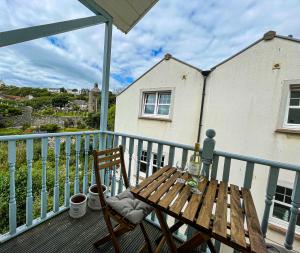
{"points": [[199, 32]]}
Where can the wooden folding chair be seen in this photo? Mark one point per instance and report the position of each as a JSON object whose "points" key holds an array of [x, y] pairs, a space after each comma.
{"points": [[107, 159]]}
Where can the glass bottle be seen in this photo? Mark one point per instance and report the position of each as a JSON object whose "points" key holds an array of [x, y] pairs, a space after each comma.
{"points": [[195, 166]]}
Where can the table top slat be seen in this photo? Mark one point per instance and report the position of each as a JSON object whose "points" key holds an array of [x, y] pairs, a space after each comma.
{"points": [[220, 221], [164, 188], [205, 213], [236, 217], [167, 199], [181, 200], [149, 180], [257, 243], [193, 205], [156, 183]]}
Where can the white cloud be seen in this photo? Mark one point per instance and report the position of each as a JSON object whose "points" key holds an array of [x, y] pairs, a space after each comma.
{"points": [[202, 33]]}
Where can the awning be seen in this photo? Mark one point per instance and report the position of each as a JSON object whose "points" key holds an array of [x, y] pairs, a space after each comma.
{"points": [[125, 13]]}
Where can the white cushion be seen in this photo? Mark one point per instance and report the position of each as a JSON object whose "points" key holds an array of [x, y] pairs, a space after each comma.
{"points": [[129, 207]]}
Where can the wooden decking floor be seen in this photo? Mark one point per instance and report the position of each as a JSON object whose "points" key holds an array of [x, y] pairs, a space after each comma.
{"points": [[63, 234]]}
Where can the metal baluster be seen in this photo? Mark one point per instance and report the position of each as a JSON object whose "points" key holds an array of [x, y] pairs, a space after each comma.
{"points": [[138, 166], [12, 192], [29, 196], [271, 189], [56, 176], [109, 145], [44, 178], [184, 158], [149, 157], [113, 185], [93, 180], [77, 154], [86, 163], [226, 171], [248, 175], [159, 155], [67, 181], [290, 234], [102, 145], [171, 156], [214, 169], [120, 188], [131, 144]]}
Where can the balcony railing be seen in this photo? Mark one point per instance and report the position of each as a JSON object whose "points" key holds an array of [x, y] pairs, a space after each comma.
{"points": [[72, 172]]}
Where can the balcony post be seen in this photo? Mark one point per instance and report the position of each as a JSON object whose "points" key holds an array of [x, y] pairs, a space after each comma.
{"points": [[44, 193], [29, 196], [290, 234], [67, 180], [56, 176], [105, 86]]}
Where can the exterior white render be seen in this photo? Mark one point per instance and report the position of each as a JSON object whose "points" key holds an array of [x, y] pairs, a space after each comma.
{"points": [[246, 103]]}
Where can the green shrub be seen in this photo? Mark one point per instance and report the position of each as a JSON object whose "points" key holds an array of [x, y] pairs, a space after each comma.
{"points": [[49, 128]]}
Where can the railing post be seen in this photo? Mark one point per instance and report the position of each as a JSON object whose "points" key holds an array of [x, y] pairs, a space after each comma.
{"points": [[248, 175], [208, 150], [56, 176], [159, 155], [93, 180], [12, 192], [29, 197], [120, 188], [271, 189], [67, 180], [138, 160], [131, 144], [44, 178], [86, 163], [77, 155], [207, 157], [290, 234], [171, 156], [113, 184], [149, 157], [184, 158]]}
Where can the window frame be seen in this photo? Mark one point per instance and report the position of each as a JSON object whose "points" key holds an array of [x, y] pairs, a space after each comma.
{"points": [[157, 92], [288, 107], [152, 166], [277, 221]]}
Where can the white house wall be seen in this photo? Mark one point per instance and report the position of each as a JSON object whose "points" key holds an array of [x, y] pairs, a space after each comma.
{"points": [[186, 108]]}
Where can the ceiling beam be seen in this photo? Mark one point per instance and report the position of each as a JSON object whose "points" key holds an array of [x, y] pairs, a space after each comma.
{"points": [[40, 31]]}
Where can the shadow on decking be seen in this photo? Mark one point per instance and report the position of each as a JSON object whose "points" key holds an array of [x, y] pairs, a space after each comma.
{"points": [[63, 234]]}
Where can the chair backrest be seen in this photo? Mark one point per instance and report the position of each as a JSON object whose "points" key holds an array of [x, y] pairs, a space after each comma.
{"points": [[109, 159]]}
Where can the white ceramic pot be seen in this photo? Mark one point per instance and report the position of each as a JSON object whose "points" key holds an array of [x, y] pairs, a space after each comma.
{"points": [[78, 205], [93, 199]]}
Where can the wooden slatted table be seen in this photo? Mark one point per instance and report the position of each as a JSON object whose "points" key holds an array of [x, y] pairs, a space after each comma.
{"points": [[224, 212]]}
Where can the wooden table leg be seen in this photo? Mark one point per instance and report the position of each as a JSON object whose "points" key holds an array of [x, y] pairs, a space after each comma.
{"points": [[166, 232], [196, 240], [172, 229]]}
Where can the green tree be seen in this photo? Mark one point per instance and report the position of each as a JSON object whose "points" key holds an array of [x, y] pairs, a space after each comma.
{"points": [[111, 118], [60, 100]]}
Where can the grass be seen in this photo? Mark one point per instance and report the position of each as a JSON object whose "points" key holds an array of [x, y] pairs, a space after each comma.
{"points": [[14, 131], [10, 131]]}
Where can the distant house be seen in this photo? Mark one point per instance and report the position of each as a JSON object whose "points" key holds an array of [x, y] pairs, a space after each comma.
{"points": [[54, 90], [73, 91], [12, 98], [251, 99], [83, 105], [29, 97]]}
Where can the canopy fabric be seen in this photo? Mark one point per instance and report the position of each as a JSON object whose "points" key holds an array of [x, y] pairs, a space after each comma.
{"points": [[126, 13]]}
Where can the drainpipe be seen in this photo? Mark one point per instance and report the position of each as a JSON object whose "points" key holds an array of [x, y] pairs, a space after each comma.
{"points": [[205, 74]]}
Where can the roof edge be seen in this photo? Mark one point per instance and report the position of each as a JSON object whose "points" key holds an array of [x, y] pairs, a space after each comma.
{"points": [[166, 58]]}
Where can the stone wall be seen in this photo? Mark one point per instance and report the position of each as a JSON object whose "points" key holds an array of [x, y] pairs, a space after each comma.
{"points": [[18, 121], [69, 121]]}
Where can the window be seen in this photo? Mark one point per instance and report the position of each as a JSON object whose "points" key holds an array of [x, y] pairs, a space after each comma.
{"points": [[153, 162], [156, 103], [293, 108], [282, 204]]}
